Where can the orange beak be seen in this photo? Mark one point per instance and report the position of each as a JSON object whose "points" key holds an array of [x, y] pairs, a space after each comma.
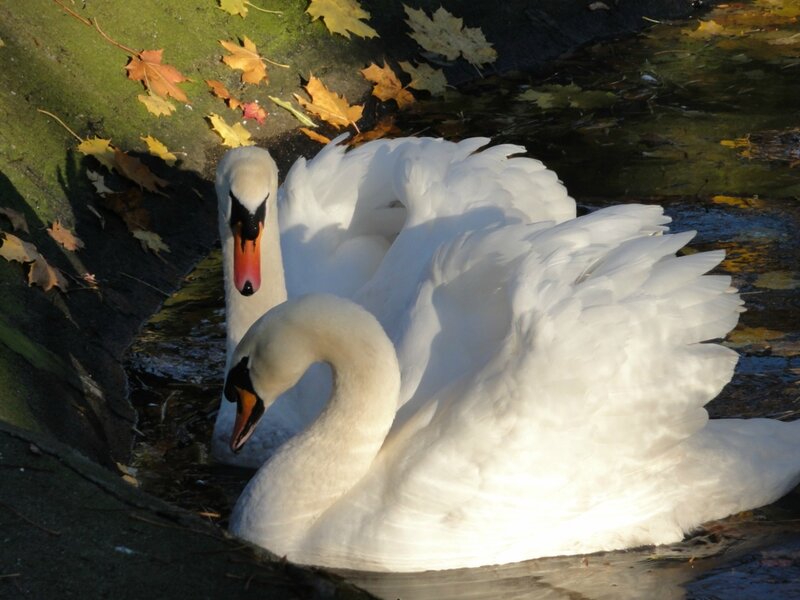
{"points": [[247, 262], [246, 418]]}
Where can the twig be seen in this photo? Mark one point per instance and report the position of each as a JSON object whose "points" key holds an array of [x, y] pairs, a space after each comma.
{"points": [[9, 575], [73, 13], [160, 291], [24, 518], [60, 122]]}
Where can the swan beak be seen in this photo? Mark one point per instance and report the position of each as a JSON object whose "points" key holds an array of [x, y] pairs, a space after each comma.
{"points": [[249, 408], [247, 261]]}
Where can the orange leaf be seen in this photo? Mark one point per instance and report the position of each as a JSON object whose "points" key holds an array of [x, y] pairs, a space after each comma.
{"points": [[387, 85], [14, 249], [329, 106], [46, 276], [132, 168], [18, 221], [317, 137], [252, 110], [247, 59], [65, 237], [220, 91], [161, 79], [384, 128]]}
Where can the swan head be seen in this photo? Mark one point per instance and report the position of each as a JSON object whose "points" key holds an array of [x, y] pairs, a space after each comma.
{"points": [[247, 188]]}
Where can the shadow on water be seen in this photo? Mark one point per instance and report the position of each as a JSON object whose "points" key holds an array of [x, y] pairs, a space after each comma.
{"points": [[699, 122]]}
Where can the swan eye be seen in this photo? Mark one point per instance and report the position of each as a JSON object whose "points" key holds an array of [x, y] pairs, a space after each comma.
{"points": [[238, 377], [250, 223]]}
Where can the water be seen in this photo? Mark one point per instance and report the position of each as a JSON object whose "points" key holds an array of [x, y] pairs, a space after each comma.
{"points": [[706, 126]]}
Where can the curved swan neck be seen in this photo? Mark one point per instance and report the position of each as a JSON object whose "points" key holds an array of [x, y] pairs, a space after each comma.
{"points": [[316, 468]]}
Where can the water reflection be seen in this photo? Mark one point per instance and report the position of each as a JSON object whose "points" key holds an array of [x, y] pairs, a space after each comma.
{"points": [[697, 122]]}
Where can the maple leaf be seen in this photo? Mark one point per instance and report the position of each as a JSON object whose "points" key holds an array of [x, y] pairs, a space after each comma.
{"points": [[425, 77], [220, 91], [385, 127], [329, 106], [446, 34], [387, 85], [342, 16], [18, 221], [127, 205], [239, 7], [246, 59], [132, 168], [101, 149], [46, 276], [232, 136], [65, 237], [317, 137], [156, 105], [705, 29], [14, 249], [303, 118], [99, 182], [150, 241], [161, 79], [252, 110], [157, 148]]}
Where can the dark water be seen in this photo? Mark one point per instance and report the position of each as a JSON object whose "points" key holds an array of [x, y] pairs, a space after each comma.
{"points": [[706, 124]]}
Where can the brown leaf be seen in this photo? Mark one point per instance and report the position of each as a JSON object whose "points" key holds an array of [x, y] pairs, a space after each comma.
{"points": [[220, 91], [317, 137], [65, 237], [329, 106], [161, 79], [46, 276], [387, 85], [14, 249], [247, 59], [18, 221], [128, 206], [385, 127], [132, 168]]}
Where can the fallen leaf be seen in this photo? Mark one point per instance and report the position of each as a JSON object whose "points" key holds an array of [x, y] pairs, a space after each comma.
{"points": [[253, 110], [329, 106], [342, 16], [599, 6], [562, 96], [385, 127], [99, 182], [446, 34], [303, 118], [425, 77], [234, 7], [220, 91], [14, 249], [786, 41], [317, 137], [739, 202], [751, 335], [90, 280], [706, 29], [232, 136], [743, 144], [132, 168], [151, 241], [128, 206], [101, 149], [46, 276], [62, 235], [157, 148], [246, 59], [18, 221], [778, 280], [156, 105], [387, 85], [161, 79]]}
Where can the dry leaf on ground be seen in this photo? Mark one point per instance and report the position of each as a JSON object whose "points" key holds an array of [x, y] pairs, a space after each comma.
{"points": [[157, 148], [342, 16], [302, 117], [232, 136], [329, 106], [253, 110], [425, 77], [246, 59], [387, 85], [317, 137], [446, 34], [132, 168], [156, 105], [239, 7], [17, 250], [128, 206], [161, 79], [220, 91], [18, 221], [62, 235], [101, 149]]}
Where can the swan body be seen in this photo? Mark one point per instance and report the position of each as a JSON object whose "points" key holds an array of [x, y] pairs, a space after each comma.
{"points": [[363, 224], [541, 394]]}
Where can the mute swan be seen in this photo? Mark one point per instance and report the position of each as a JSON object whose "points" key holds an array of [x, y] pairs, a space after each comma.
{"points": [[361, 224], [571, 421]]}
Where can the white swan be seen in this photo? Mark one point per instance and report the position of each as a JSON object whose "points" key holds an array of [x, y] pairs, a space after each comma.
{"points": [[570, 421], [362, 224]]}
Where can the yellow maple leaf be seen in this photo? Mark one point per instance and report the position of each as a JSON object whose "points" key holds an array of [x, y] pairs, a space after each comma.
{"points": [[342, 16], [232, 136], [425, 77], [101, 149], [246, 59], [157, 148], [446, 34], [156, 104], [329, 106], [17, 250], [239, 7], [387, 85]]}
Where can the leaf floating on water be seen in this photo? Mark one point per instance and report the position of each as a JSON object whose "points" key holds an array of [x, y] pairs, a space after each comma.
{"points": [[62, 235], [568, 96], [18, 221], [385, 127], [387, 85], [151, 241], [425, 77], [445, 34], [232, 136], [753, 335], [342, 16], [743, 144], [706, 29], [778, 280], [739, 202]]}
